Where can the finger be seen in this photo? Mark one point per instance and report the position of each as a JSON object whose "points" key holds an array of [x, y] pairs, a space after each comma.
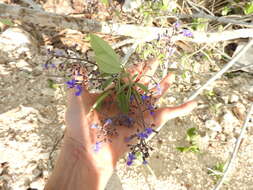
{"points": [[161, 89], [162, 115], [148, 68]]}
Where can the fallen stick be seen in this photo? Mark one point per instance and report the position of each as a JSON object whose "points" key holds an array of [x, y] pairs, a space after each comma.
{"points": [[222, 71], [57, 21], [212, 79], [236, 148], [225, 20]]}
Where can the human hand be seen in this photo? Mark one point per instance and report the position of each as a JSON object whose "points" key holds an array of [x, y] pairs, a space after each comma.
{"points": [[81, 120]]}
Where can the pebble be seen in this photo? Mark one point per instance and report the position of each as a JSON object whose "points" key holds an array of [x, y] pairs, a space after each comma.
{"points": [[16, 43], [229, 122], [213, 125]]}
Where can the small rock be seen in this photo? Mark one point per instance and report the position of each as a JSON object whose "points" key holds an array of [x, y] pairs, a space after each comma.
{"points": [[130, 5], [233, 98], [16, 43], [229, 122], [239, 111], [213, 125]]}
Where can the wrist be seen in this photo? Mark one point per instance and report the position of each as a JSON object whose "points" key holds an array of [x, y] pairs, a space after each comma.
{"points": [[77, 169]]}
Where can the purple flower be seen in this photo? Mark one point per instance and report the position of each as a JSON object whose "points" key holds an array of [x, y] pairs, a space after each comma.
{"points": [[129, 162], [94, 126], [142, 135], [171, 51], [108, 122], [45, 66], [71, 83], [79, 90], [187, 33], [159, 89], [144, 162], [59, 52], [149, 130], [150, 107], [126, 120], [131, 98], [152, 113], [130, 158], [177, 24], [97, 146], [144, 97], [53, 65]]}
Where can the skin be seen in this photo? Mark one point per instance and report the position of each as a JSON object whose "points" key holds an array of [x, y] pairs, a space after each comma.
{"points": [[78, 166]]}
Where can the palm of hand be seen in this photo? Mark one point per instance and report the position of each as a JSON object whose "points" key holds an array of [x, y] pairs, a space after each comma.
{"points": [[79, 120]]}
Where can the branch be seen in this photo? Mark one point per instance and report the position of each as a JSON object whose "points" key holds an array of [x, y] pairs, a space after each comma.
{"points": [[236, 148], [211, 80], [224, 20], [222, 71], [81, 24], [52, 20]]}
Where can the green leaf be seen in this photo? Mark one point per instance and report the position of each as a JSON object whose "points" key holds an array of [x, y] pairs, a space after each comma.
{"points": [[219, 167], [108, 61], [122, 102], [129, 92], [6, 22], [100, 99], [192, 148], [122, 88], [107, 83], [137, 95], [192, 134], [52, 84], [143, 87], [182, 149], [106, 2], [249, 8]]}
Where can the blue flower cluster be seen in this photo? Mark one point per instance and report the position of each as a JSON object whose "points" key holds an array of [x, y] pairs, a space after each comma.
{"points": [[145, 134], [187, 33], [73, 84], [131, 157]]}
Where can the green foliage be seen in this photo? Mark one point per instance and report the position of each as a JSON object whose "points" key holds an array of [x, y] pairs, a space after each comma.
{"points": [[100, 99], [52, 84], [106, 2], [107, 83], [225, 11], [248, 8], [200, 24], [192, 148], [192, 137], [123, 101], [108, 61], [143, 87], [217, 171], [6, 22]]}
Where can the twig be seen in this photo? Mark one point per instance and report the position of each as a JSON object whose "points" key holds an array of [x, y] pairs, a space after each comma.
{"points": [[122, 43], [53, 149], [31, 4], [222, 71], [209, 17], [216, 76], [130, 52], [52, 20], [236, 148]]}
